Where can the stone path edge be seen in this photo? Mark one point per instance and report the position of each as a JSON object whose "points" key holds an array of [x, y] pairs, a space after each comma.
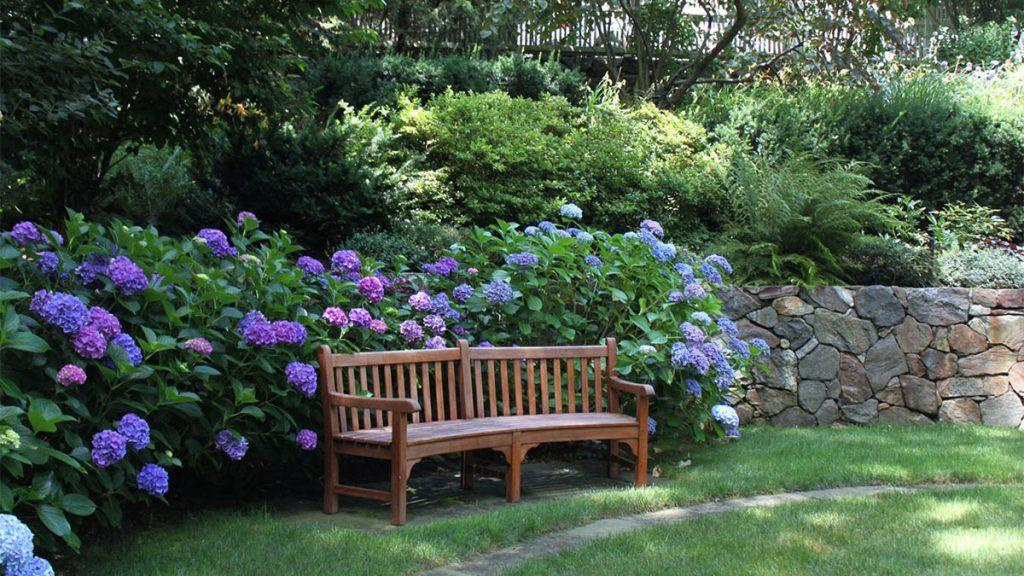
{"points": [[497, 561]]}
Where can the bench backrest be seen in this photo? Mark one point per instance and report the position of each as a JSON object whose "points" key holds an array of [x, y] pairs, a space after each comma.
{"points": [[470, 382]]}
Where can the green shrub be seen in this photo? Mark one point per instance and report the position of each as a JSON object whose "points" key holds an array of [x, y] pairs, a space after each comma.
{"points": [[981, 45], [980, 268], [405, 241], [796, 219], [957, 225], [887, 261]]}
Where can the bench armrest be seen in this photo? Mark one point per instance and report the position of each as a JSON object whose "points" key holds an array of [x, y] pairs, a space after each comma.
{"points": [[390, 404], [641, 390]]}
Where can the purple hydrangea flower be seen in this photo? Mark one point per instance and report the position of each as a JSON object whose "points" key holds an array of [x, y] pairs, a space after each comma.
{"points": [[105, 322], [108, 447], [547, 226], [727, 417], [360, 317], [571, 211], [384, 280], [710, 273], [379, 326], [48, 263], [664, 253], [70, 375], [310, 265], [287, 332], [302, 377], [761, 345], [346, 261], [728, 327], [719, 262], [371, 288], [126, 275], [335, 317], [38, 301], [444, 267], [243, 216], [654, 227], [593, 261], [691, 333], [421, 301], [228, 443], [65, 312], [89, 343], [680, 355], [694, 291], [306, 439], [131, 349], [485, 344], [153, 480], [218, 242], [25, 233], [434, 343], [699, 360], [462, 292], [460, 330], [693, 387], [88, 272], [652, 426], [498, 292], [259, 333], [686, 271], [676, 296], [411, 331], [435, 324], [135, 431], [522, 260], [249, 319], [200, 346]]}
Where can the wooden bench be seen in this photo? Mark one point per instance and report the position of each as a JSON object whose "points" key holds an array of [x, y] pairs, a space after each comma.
{"points": [[404, 406]]}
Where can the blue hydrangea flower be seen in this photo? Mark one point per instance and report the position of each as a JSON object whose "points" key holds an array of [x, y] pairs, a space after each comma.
{"points": [[259, 334], [664, 253], [444, 267], [593, 261], [498, 292], [699, 360], [647, 237], [761, 345], [547, 226], [693, 387], [654, 227], [249, 319], [686, 271], [691, 333], [719, 262], [15, 540], [584, 237], [421, 301], [563, 234], [701, 318], [346, 261], [531, 231], [676, 296], [694, 291], [108, 447], [680, 355], [727, 417], [725, 377], [740, 347], [228, 443], [152, 479], [522, 259], [131, 349], [571, 211], [34, 566], [728, 327], [302, 377], [64, 311], [652, 426], [462, 292], [710, 273], [217, 241], [88, 272], [310, 266], [25, 233], [135, 431], [48, 263], [434, 343]]}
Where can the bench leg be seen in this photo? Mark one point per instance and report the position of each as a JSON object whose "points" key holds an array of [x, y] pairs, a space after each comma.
{"points": [[513, 478], [331, 480], [613, 458], [641, 457], [399, 490], [466, 480]]}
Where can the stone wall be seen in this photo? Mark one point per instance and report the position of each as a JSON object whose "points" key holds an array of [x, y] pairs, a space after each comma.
{"points": [[884, 354]]}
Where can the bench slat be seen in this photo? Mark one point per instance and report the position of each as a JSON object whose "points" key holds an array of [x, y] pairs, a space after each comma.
{"points": [[537, 352], [558, 385], [570, 367], [517, 377]]}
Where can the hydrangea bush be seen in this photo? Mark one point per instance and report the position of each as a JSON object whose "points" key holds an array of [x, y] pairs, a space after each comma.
{"points": [[128, 355]]}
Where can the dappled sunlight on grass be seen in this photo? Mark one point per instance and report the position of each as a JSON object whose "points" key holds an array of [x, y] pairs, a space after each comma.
{"points": [[980, 544]]}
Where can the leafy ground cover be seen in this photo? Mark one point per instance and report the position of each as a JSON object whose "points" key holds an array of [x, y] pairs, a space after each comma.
{"points": [[260, 541]]}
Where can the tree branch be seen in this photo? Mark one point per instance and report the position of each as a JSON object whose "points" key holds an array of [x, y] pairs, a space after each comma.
{"points": [[749, 77], [704, 63]]}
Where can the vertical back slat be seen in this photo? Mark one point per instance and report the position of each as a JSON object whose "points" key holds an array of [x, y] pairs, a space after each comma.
{"points": [[339, 387], [439, 391], [506, 405], [584, 368], [544, 404], [428, 412], [364, 385], [517, 376], [453, 398], [465, 381], [598, 387], [353, 413], [479, 385], [414, 392], [557, 367], [390, 389], [530, 392], [570, 367], [492, 395], [375, 374]]}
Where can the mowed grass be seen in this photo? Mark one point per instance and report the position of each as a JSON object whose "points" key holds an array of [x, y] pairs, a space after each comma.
{"points": [[954, 532], [258, 542]]}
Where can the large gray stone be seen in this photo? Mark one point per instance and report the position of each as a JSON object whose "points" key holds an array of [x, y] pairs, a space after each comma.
{"points": [[847, 333], [748, 330], [1005, 410], [1010, 298], [891, 394], [915, 366], [794, 329], [964, 340], [938, 364], [774, 401], [822, 363], [997, 360], [792, 306], [920, 395], [1017, 377], [828, 414], [811, 395], [736, 302], [912, 336], [773, 292], [766, 317], [960, 411], [883, 361], [862, 413], [782, 372], [897, 415], [985, 296], [879, 304], [978, 386], [1006, 330], [793, 418], [853, 381], [938, 306], [835, 298]]}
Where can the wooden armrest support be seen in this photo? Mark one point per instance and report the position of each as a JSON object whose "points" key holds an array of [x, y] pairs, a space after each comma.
{"points": [[389, 404], [641, 390]]}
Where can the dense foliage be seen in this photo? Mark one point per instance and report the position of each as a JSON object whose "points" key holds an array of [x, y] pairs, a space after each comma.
{"points": [[127, 354]]}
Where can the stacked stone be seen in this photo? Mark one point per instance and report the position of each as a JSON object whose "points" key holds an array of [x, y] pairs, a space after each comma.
{"points": [[883, 354]]}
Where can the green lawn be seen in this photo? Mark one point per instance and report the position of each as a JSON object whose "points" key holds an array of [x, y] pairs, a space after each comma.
{"points": [[256, 542], [970, 531]]}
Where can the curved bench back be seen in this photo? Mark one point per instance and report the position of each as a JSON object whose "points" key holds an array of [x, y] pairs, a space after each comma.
{"points": [[470, 382]]}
